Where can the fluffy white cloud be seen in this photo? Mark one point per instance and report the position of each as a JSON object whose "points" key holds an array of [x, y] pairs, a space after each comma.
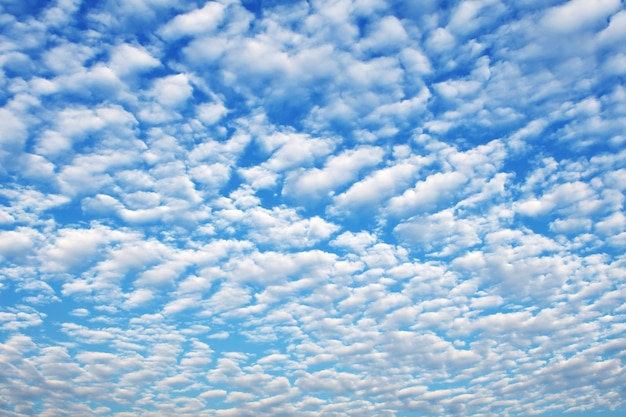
{"points": [[128, 59], [196, 22], [577, 14], [172, 91], [378, 186], [339, 170]]}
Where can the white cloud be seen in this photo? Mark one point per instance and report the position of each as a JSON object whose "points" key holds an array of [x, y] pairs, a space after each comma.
{"points": [[17, 243], [75, 247], [378, 186], [128, 59], [440, 231], [211, 113], [578, 14], [194, 23], [298, 151], [13, 133], [441, 40], [428, 193], [68, 58], [339, 170], [387, 35], [73, 126], [61, 13], [354, 241], [172, 91], [181, 304], [615, 32], [138, 297], [161, 275], [15, 320], [415, 61], [576, 198]]}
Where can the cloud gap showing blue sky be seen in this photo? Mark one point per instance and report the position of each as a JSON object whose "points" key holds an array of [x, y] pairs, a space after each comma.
{"points": [[312, 208]]}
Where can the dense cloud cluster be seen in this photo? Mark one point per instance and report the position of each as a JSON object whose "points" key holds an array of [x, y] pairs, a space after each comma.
{"points": [[323, 207]]}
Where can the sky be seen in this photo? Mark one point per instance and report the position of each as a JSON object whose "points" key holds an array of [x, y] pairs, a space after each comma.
{"points": [[312, 208]]}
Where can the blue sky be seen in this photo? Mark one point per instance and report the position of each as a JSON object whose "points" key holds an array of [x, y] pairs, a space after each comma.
{"points": [[322, 208]]}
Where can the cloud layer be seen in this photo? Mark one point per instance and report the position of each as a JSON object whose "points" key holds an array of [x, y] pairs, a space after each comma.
{"points": [[240, 208]]}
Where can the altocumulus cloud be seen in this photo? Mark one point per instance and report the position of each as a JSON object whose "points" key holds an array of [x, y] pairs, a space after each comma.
{"points": [[346, 207]]}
